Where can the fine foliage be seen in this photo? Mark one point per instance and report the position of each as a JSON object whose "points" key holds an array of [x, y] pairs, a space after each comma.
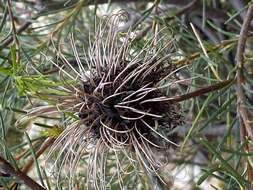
{"points": [[125, 94]]}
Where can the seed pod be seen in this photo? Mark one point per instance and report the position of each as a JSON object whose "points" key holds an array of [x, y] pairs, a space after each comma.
{"points": [[119, 98]]}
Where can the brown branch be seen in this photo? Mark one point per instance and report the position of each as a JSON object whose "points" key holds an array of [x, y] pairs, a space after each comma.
{"points": [[201, 91], [5, 167], [188, 60], [23, 153], [183, 10], [243, 113], [41, 150], [57, 6], [192, 57], [21, 29], [180, 12], [9, 40], [14, 31]]}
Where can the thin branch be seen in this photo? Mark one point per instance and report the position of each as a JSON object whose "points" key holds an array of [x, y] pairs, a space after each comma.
{"points": [[201, 91], [183, 10], [23, 153], [188, 7], [14, 31], [21, 29], [41, 150], [243, 113], [189, 59], [5, 167], [241, 97], [47, 7], [59, 5]]}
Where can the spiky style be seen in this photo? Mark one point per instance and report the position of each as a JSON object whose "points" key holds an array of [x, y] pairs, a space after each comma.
{"points": [[119, 98]]}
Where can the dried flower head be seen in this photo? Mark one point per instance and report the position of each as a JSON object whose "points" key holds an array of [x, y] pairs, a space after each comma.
{"points": [[119, 106]]}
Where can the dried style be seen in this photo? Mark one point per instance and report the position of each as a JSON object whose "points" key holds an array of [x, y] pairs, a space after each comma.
{"points": [[118, 104]]}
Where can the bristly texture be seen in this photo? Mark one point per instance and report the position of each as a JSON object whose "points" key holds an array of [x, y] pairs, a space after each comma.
{"points": [[119, 98]]}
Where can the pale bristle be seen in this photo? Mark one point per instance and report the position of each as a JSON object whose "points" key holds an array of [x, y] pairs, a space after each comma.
{"points": [[121, 108]]}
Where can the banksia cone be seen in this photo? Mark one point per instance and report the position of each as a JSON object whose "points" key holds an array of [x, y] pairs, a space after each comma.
{"points": [[118, 106]]}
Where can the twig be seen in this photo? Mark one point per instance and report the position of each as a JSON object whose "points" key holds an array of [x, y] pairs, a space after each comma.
{"points": [[7, 42], [59, 5], [241, 98], [54, 6], [42, 149], [23, 153], [244, 115], [189, 59], [14, 31], [183, 10], [180, 12], [192, 57], [21, 29], [6, 168], [201, 91]]}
